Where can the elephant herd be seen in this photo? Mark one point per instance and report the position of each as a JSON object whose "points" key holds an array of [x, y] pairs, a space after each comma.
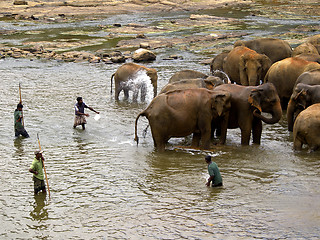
{"points": [[257, 76]]}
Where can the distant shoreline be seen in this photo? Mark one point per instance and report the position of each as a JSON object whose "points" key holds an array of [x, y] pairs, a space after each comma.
{"points": [[46, 9]]}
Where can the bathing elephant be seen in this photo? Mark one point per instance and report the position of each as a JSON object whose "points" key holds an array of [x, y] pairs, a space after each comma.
{"points": [[125, 78], [180, 113], [275, 49], [306, 128], [315, 41], [245, 66], [302, 97], [284, 74], [209, 83], [186, 74], [304, 48], [247, 103], [217, 62]]}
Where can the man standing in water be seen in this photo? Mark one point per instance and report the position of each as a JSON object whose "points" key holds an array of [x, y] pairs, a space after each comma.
{"points": [[80, 116], [214, 172], [18, 122], [37, 169]]}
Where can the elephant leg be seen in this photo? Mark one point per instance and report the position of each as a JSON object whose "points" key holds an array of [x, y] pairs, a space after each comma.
{"points": [[196, 139], [116, 94], [256, 130], [126, 93], [223, 131], [143, 92], [245, 135], [297, 144], [205, 137], [135, 95]]}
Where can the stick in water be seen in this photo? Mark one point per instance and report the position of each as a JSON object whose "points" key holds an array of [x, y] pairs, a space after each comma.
{"points": [[44, 168], [21, 103]]}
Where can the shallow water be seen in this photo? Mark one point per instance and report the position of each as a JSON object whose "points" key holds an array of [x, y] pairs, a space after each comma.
{"points": [[104, 186]]}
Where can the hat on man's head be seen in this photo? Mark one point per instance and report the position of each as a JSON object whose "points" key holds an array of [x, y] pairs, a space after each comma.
{"points": [[208, 158], [37, 152]]}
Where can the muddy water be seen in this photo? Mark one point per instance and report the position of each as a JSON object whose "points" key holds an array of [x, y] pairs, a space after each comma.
{"points": [[104, 186]]}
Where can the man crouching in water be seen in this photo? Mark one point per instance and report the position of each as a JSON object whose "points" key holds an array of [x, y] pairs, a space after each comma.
{"points": [[214, 172]]}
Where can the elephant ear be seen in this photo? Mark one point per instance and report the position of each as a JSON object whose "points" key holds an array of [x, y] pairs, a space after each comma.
{"points": [[254, 99]]}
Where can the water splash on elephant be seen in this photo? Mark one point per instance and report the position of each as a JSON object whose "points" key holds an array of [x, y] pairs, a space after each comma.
{"points": [[140, 82]]}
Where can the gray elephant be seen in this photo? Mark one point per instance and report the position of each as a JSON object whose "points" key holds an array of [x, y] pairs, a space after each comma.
{"points": [[183, 112], [315, 41], [304, 48], [245, 66], [129, 76], [275, 49], [303, 96], [217, 62], [310, 77], [247, 103], [208, 83], [186, 74], [306, 129], [284, 74]]}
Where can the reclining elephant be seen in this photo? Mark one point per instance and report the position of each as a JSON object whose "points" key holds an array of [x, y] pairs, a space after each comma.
{"points": [[186, 74], [275, 49], [247, 103], [182, 112], [245, 66], [303, 96], [125, 77], [284, 74], [306, 128], [209, 83]]}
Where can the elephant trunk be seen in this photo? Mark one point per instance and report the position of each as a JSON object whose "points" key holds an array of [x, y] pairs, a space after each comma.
{"points": [[290, 114], [276, 114]]}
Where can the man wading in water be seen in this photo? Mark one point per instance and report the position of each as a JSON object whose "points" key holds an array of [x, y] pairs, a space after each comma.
{"points": [[214, 172], [80, 116], [18, 122], [37, 169]]}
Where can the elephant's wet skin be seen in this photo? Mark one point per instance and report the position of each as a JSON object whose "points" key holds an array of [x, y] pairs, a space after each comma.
{"points": [[247, 103], [180, 113], [124, 79], [306, 129], [303, 96]]}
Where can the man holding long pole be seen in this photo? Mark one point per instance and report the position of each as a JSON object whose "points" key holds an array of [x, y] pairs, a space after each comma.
{"points": [[37, 169], [18, 119]]}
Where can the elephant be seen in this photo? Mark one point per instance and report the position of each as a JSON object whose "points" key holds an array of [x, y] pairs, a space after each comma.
{"points": [[306, 128], [247, 103], [305, 48], [284, 74], [302, 97], [186, 74], [217, 62], [315, 41], [245, 66], [180, 113], [310, 77], [209, 83], [275, 49], [125, 76]]}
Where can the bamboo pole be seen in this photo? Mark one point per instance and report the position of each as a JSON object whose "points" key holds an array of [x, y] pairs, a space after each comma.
{"points": [[44, 168]]}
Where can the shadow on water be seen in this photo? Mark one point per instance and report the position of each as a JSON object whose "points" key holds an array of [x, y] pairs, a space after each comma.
{"points": [[39, 212]]}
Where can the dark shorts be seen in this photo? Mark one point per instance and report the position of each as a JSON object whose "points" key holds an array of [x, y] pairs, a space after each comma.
{"points": [[38, 185], [22, 131]]}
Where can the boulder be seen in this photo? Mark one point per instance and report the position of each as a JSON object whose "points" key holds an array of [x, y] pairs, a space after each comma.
{"points": [[143, 55]]}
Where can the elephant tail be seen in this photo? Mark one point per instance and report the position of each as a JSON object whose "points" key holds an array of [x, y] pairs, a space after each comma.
{"points": [[111, 81], [136, 138]]}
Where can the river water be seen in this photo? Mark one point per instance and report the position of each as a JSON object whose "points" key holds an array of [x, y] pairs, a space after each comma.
{"points": [[104, 186]]}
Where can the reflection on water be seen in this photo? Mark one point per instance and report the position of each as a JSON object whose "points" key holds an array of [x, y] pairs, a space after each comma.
{"points": [[40, 212]]}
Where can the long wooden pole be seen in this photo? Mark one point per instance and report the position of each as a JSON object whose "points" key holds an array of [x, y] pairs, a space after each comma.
{"points": [[21, 103], [44, 168]]}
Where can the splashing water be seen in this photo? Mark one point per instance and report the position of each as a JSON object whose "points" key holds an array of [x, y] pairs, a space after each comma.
{"points": [[140, 82]]}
